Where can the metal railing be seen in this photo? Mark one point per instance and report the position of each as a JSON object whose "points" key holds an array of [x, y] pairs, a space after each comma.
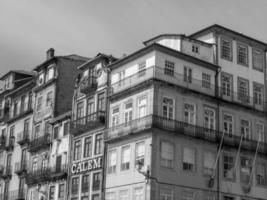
{"points": [[10, 143], [20, 167], [17, 195], [179, 127], [36, 176], [40, 142], [88, 121], [88, 84], [59, 169], [14, 116], [23, 137]]}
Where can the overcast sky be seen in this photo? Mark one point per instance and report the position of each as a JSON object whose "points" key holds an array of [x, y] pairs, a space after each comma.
{"points": [[85, 27]]}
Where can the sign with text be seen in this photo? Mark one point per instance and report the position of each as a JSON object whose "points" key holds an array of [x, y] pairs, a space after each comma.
{"points": [[86, 166]]}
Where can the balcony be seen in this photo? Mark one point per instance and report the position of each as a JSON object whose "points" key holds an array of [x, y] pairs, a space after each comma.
{"points": [[182, 128], [43, 113], [20, 167], [38, 176], [58, 172], [159, 73], [19, 115], [88, 122], [40, 143], [88, 85], [10, 144], [17, 195], [23, 137], [2, 142]]}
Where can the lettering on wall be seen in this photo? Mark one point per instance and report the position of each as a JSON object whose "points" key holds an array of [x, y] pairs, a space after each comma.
{"points": [[86, 166]]}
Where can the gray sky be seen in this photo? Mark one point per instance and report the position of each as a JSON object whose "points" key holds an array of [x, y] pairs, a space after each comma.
{"points": [[86, 27]]}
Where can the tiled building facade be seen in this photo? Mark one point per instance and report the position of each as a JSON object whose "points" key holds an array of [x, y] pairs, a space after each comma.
{"points": [[182, 118]]}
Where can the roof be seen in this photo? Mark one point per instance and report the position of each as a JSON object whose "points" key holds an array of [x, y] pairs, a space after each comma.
{"points": [[23, 72], [213, 27], [29, 83], [164, 49], [174, 35]]}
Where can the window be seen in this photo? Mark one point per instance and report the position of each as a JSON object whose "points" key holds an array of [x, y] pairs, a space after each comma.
{"points": [[52, 193], [138, 193], [189, 159], [110, 196], [168, 108], [245, 129], [50, 73], [165, 194], [87, 147], [121, 77], [16, 108], [206, 80], [227, 83], [209, 160], [95, 197], [40, 78], [245, 170], [96, 181], [209, 118], [226, 49], [142, 106], [66, 128], [243, 90], [34, 164], [112, 161], [115, 116], [36, 132], [257, 59], [56, 131], [77, 150], [83, 198], [30, 101], [242, 54], [61, 191], [189, 113], [260, 132], [39, 103], [228, 124], [187, 195], [85, 183], [142, 69], [128, 113], [90, 108], [169, 68], [80, 113], [187, 74], [48, 127], [140, 153], [123, 195], [101, 102], [49, 98], [22, 104], [228, 167], [44, 163], [125, 158], [167, 154], [258, 94], [75, 185], [98, 143], [195, 48], [261, 174]]}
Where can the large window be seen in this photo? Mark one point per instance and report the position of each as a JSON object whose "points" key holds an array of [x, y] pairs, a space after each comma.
{"points": [[245, 169], [128, 113], [189, 113], [167, 154], [101, 102], [209, 118], [49, 98], [242, 54], [124, 195], [52, 193], [23, 107], [258, 59], [245, 129], [227, 83], [166, 194], [228, 124], [189, 159], [75, 185], [206, 80], [168, 108], [125, 158], [39, 103], [169, 68], [61, 191], [90, 108], [80, 112], [260, 132], [112, 161], [261, 173], [226, 49], [243, 90], [77, 150], [85, 183], [98, 144], [115, 116], [258, 94], [142, 107], [187, 74], [228, 167], [140, 153], [209, 160], [87, 147], [37, 131], [96, 181], [34, 164]]}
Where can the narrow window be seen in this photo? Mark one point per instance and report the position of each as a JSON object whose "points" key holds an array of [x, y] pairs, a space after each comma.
{"points": [[260, 132], [228, 167], [142, 69], [188, 159], [209, 160], [187, 74], [209, 118], [258, 94], [167, 154], [115, 116], [87, 147], [242, 54], [52, 193], [206, 80], [101, 102], [245, 169], [228, 124], [98, 143], [243, 90], [75, 185], [227, 82], [85, 183], [61, 191], [140, 153], [168, 108], [226, 49], [96, 181], [128, 113], [169, 68], [112, 161], [77, 150], [125, 158], [261, 174], [142, 107], [189, 113], [258, 59], [245, 129]]}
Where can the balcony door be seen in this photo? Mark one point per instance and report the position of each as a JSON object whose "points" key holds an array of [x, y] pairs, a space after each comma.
{"points": [[23, 158], [58, 163]]}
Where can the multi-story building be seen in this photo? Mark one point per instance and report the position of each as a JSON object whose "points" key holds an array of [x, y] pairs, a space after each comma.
{"points": [[186, 119], [87, 129], [53, 98], [16, 116]]}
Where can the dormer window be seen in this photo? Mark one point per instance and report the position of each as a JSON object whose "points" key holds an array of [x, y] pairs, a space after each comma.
{"points": [[195, 48], [50, 73], [41, 78]]}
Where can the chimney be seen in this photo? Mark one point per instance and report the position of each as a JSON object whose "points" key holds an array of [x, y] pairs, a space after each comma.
{"points": [[50, 53]]}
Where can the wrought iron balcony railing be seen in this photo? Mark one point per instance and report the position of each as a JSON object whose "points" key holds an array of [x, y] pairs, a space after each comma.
{"points": [[88, 84], [87, 122], [179, 127], [58, 172], [40, 142], [10, 144], [20, 167], [23, 137], [37, 176], [18, 115]]}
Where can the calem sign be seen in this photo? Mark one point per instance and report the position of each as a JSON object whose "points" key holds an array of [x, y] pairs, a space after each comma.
{"points": [[86, 166]]}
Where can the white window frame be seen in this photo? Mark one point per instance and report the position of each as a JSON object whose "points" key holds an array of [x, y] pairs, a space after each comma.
{"points": [[170, 109], [125, 165], [141, 106], [112, 167], [190, 115]]}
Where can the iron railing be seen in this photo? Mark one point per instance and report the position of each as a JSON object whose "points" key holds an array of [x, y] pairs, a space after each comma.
{"points": [[20, 167], [10, 143], [88, 84], [17, 194], [40, 142], [23, 137], [37, 176]]}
